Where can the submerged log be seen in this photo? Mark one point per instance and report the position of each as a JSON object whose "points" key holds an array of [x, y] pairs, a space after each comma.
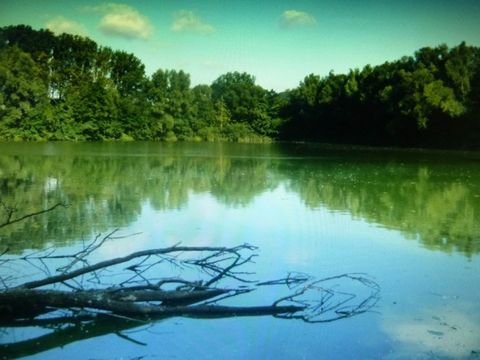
{"points": [[19, 304]]}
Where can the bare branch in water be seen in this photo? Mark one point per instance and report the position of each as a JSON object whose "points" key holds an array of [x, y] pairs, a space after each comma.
{"points": [[62, 301]]}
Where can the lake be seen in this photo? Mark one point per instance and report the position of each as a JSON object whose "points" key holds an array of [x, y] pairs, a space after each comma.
{"points": [[409, 220]]}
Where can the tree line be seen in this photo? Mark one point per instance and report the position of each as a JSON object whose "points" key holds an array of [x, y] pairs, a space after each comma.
{"points": [[67, 87]]}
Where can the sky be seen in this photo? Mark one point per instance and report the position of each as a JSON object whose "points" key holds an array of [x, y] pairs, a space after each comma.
{"points": [[279, 42]]}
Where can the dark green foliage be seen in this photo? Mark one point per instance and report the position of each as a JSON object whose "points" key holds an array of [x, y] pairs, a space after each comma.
{"points": [[23, 96], [245, 101], [67, 87], [424, 101]]}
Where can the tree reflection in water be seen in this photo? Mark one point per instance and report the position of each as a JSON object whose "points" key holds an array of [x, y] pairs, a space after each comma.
{"points": [[434, 201]]}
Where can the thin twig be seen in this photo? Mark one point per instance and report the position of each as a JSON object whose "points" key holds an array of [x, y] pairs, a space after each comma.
{"points": [[9, 220]]}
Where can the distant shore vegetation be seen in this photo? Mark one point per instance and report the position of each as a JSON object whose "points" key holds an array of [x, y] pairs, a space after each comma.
{"points": [[67, 87]]}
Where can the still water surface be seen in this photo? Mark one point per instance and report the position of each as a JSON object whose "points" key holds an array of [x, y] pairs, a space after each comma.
{"points": [[410, 220]]}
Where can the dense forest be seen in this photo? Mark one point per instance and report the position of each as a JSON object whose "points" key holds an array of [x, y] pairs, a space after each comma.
{"points": [[68, 87]]}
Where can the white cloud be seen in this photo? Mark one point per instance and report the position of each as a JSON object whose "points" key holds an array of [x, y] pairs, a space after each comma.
{"points": [[123, 21], [185, 20], [61, 25], [292, 18]]}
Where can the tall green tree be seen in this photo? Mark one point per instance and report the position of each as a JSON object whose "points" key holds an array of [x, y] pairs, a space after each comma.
{"points": [[171, 102], [96, 112], [23, 96], [128, 76], [203, 107], [245, 101], [72, 64]]}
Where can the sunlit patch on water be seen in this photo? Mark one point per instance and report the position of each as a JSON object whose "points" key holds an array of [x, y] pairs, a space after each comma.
{"points": [[441, 331]]}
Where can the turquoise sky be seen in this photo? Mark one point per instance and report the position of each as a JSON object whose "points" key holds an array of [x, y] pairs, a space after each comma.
{"points": [[279, 42]]}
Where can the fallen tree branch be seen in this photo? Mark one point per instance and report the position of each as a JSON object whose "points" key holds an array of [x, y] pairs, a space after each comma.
{"points": [[107, 263], [19, 304], [63, 304]]}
